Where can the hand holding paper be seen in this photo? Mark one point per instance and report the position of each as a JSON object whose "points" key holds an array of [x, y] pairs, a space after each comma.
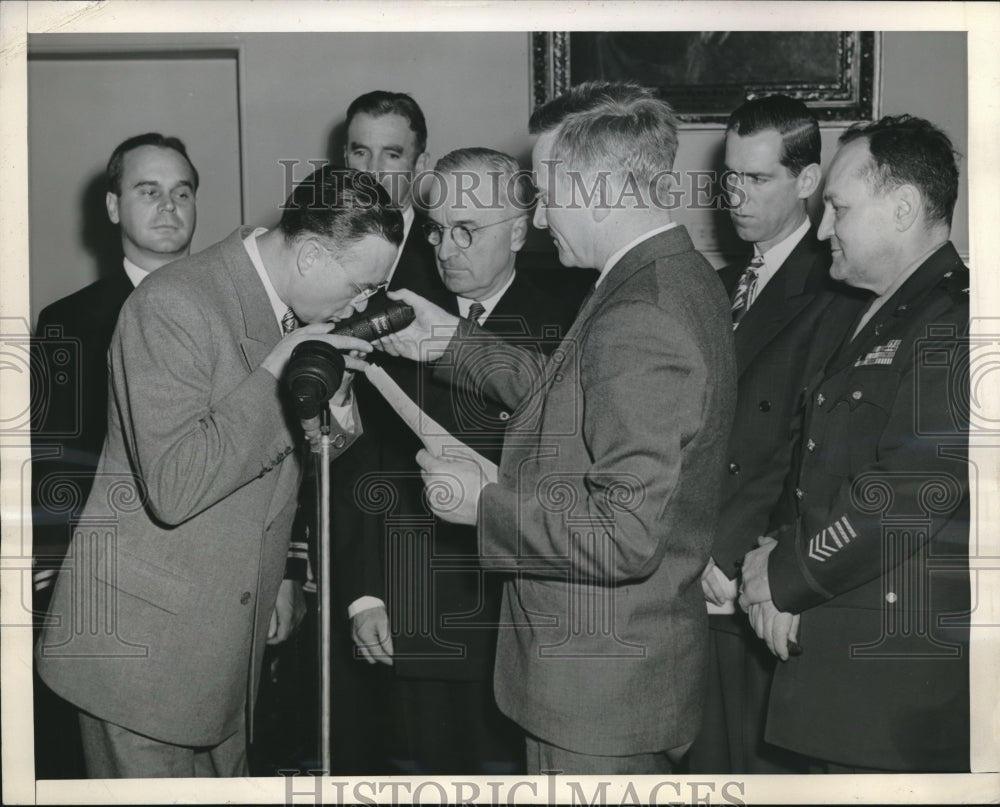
{"points": [[454, 483]]}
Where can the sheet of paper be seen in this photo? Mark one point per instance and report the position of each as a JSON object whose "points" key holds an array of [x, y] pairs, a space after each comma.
{"points": [[434, 436]]}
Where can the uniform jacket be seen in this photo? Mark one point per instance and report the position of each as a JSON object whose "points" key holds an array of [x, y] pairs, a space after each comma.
{"points": [[876, 561], [781, 342], [163, 602], [606, 503]]}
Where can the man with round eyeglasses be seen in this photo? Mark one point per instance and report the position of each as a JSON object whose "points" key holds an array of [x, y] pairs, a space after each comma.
{"points": [[434, 611]]}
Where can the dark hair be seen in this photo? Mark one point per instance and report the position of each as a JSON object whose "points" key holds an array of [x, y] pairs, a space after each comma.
{"points": [[341, 205], [909, 150], [798, 127], [611, 125], [380, 102], [113, 173]]}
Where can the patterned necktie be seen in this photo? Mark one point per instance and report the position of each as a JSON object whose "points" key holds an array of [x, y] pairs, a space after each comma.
{"points": [[288, 322], [746, 290], [476, 310]]}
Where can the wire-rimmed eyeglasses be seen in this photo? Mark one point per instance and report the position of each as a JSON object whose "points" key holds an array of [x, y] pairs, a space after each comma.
{"points": [[363, 292], [460, 234]]}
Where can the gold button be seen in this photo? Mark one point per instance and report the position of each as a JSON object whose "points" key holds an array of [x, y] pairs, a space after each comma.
{"points": [[339, 440], [505, 416], [811, 445], [890, 597], [799, 493], [856, 395], [820, 399]]}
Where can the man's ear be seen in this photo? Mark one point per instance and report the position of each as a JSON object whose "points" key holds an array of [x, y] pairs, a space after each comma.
{"points": [[907, 204], [111, 203], [518, 234], [600, 211], [808, 180], [420, 164], [308, 256]]}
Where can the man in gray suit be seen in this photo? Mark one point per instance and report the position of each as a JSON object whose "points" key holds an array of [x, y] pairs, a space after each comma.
{"points": [[160, 614], [605, 500]]}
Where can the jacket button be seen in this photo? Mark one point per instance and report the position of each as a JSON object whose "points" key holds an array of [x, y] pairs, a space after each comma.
{"points": [[799, 493], [338, 441], [856, 395], [765, 406], [820, 399], [890, 597], [734, 468], [811, 445], [559, 377], [558, 357], [245, 597], [505, 416]]}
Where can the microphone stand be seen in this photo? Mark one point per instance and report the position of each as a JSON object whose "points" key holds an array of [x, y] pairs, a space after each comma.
{"points": [[323, 582]]}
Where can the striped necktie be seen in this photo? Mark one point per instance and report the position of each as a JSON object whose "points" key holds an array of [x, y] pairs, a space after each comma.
{"points": [[746, 289], [289, 322], [476, 310]]}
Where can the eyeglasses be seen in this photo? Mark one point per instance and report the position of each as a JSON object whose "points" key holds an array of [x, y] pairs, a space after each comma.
{"points": [[460, 234], [363, 292]]}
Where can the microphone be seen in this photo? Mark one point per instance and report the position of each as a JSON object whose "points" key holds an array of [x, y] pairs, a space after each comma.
{"points": [[371, 326], [313, 375]]}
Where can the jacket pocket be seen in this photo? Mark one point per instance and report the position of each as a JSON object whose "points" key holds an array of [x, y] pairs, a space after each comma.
{"points": [[146, 581]]}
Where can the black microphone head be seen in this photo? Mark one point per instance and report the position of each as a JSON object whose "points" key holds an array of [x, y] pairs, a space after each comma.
{"points": [[394, 317], [313, 375]]}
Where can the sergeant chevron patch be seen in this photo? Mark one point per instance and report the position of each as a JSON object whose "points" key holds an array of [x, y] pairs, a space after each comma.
{"points": [[883, 354], [831, 539]]}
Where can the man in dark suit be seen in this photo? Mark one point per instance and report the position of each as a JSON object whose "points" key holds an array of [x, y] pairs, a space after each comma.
{"points": [[151, 187], [386, 133], [436, 618], [780, 296], [162, 607], [605, 501], [869, 568]]}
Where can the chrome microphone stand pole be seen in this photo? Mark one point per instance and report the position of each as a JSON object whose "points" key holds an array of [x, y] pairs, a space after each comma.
{"points": [[324, 584]]}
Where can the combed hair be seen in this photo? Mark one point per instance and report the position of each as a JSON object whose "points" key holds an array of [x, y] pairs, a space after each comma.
{"points": [[113, 172], [341, 205], [381, 102], [798, 127], [616, 126], [501, 169], [910, 150]]}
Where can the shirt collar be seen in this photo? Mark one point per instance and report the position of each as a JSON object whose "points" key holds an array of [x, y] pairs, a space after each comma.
{"points": [[778, 254], [136, 274], [617, 256], [278, 306], [408, 216], [464, 303]]}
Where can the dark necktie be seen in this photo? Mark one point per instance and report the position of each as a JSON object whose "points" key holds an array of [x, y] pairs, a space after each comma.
{"points": [[746, 289], [476, 310], [289, 322]]}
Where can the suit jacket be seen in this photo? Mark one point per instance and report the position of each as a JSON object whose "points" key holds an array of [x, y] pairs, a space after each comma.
{"points": [[780, 344], [876, 561], [162, 604], [443, 608], [606, 503], [70, 410]]}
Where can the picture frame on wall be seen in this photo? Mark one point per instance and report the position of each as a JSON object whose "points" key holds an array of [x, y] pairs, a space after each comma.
{"points": [[707, 74]]}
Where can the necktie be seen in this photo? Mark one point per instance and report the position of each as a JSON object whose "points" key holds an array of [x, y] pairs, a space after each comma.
{"points": [[288, 322], [476, 310], [746, 290]]}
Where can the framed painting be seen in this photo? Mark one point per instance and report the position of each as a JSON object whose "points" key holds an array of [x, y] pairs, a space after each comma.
{"points": [[707, 74]]}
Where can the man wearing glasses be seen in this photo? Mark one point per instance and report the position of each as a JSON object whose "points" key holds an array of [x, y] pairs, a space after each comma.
{"points": [[433, 611], [160, 612]]}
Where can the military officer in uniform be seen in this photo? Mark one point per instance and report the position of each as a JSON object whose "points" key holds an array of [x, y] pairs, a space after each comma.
{"points": [[864, 592]]}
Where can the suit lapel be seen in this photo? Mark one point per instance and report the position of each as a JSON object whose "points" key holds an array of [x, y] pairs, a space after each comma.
{"points": [[261, 331], [796, 283]]}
